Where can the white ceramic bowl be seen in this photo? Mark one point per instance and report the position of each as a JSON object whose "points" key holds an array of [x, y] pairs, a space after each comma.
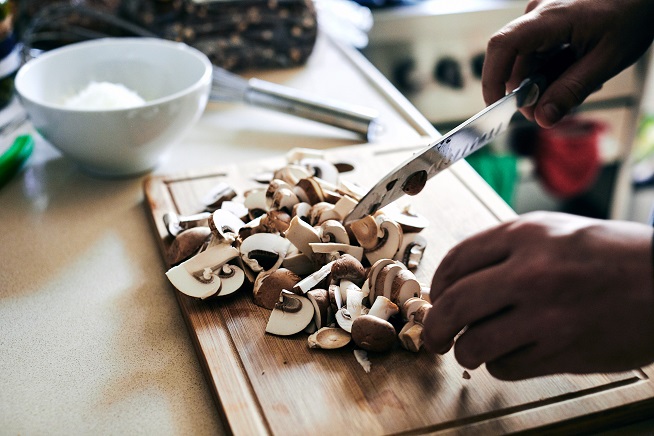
{"points": [[173, 79]]}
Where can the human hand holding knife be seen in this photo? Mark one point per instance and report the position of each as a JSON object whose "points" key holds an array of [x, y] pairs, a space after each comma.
{"points": [[410, 177]]}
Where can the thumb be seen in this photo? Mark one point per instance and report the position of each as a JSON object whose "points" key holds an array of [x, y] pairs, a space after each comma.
{"points": [[570, 89]]}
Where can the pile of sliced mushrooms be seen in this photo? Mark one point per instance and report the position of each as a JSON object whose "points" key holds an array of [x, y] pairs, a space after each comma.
{"points": [[335, 283]]}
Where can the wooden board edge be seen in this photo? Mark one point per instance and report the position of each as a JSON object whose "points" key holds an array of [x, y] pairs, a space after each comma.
{"points": [[245, 415]]}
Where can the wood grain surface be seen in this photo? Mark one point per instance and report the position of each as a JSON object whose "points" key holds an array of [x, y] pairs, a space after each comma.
{"points": [[265, 384]]}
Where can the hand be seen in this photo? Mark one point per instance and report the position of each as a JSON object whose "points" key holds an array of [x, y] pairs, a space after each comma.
{"points": [[547, 293], [607, 36]]}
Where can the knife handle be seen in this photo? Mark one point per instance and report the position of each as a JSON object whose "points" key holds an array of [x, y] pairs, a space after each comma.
{"points": [[551, 69]]}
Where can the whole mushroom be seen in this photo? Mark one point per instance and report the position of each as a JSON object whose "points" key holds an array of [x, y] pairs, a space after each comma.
{"points": [[373, 332]]}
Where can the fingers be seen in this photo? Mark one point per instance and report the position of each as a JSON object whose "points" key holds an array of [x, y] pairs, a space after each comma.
{"points": [[476, 297], [572, 88]]}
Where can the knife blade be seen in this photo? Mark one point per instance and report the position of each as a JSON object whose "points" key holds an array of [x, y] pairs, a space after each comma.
{"points": [[410, 177]]}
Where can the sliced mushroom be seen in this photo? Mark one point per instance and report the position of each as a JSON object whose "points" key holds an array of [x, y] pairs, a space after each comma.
{"points": [[412, 250], [335, 250], [366, 231], [302, 211], [384, 282], [231, 279], [343, 319], [268, 286], [312, 189], [263, 251], [344, 206], [322, 308], [291, 315], [256, 203], [321, 212], [405, 285], [329, 338], [237, 208], [322, 169], [284, 199], [388, 244], [225, 225], [198, 276], [407, 218], [301, 234], [276, 221], [414, 310], [313, 280], [371, 280], [274, 186], [333, 231], [175, 224], [186, 244], [298, 263], [291, 174]]}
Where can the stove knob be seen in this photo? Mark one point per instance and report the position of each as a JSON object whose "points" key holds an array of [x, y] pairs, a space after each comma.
{"points": [[448, 72], [404, 77], [477, 64]]}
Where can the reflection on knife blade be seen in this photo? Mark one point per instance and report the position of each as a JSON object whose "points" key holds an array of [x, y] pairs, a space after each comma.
{"points": [[411, 176]]}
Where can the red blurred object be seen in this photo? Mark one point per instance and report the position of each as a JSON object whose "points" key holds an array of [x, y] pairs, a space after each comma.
{"points": [[567, 156]]}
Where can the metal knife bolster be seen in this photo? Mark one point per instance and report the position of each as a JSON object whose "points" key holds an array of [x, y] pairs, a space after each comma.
{"points": [[465, 139]]}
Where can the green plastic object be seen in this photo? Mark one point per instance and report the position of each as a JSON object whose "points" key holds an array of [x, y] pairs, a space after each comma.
{"points": [[500, 171], [13, 159]]}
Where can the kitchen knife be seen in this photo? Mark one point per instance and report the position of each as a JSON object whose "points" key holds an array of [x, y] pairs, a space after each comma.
{"points": [[411, 176]]}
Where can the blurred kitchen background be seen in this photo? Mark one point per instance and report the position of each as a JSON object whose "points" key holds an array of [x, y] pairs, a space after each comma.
{"points": [[596, 164]]}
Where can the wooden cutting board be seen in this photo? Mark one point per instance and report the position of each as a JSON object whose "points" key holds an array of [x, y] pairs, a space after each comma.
{"points": [[265, 384]]}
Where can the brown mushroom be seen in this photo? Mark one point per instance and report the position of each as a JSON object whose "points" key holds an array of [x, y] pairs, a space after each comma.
{"points": [[186, 244], [268, 286], [349, 268], [373, 332], [329, 338]]}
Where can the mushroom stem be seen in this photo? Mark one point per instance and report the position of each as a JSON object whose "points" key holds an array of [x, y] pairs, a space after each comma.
{"points": [[383, 308]]}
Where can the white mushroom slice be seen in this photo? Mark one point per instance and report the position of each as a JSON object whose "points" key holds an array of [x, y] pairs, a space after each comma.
{"points": [[383, 308], [291, 315], [284, 199], [412, 249], [351, 189], [388, 244], [217, 195], [302, 211], [231, 278], [301, 234], [333, 231], [198, 276], [321, 212], [237, 208], [344, 206], [409, 220], [291, 174], [299, 264], [366, 231], [343, 319], [312, 280], [405, 285], [329, 338], [337, 249], [354, 302], [255, 199], [335, 300], [274, 186], [263, 251], [411, 336], [225, 225], [361, 356], [322, 169], [410, 307]]}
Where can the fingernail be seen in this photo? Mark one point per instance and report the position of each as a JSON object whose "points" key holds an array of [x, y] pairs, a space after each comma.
{"points": [[552, 112]]}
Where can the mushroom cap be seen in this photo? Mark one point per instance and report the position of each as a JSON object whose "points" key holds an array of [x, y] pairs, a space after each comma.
{"points": [[373, 334], [268, 287], [329, 338], [349, 268], [186, 244]]}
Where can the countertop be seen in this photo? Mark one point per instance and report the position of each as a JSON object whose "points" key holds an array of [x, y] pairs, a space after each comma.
{"points": [[92, 337]]}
